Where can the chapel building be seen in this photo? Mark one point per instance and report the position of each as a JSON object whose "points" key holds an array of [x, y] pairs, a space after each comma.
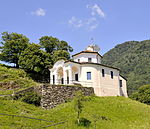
{"points": [[86, 70]]}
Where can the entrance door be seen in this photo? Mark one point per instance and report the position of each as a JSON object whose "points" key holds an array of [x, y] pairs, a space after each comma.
{"points": [[53, 79], [67, 80], [62, 81], [76, 77]]}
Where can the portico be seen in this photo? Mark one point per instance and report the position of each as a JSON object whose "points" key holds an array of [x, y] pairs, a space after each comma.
{"points": [[64, 73]]}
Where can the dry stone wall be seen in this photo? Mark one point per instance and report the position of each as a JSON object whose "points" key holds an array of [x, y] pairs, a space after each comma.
{"points": [[53, 95]]}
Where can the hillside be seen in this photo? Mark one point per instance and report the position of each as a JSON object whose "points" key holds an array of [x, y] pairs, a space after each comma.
{"points": [[13, 79], [133, 58], [118, 113]]}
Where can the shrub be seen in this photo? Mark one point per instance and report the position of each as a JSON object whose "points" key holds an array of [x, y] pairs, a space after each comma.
{"points": [[31, 98], [83, 122], [142, 95]]}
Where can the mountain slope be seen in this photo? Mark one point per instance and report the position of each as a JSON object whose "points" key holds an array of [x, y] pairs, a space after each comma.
{"points": [[119, 113], [133, 58]]}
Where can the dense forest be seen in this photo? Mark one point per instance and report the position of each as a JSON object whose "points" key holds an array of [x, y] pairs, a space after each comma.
{"points": [[133, 58]]}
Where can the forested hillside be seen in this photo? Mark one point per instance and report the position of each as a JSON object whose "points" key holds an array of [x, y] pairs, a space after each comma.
{"points": [[133, 58]]}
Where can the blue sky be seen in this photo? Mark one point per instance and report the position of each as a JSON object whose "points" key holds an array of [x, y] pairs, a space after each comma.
{"points": [[108, 22]]}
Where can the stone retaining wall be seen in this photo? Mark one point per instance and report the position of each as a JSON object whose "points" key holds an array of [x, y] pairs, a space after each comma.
{"points": [[53, 95], [25, 90]]}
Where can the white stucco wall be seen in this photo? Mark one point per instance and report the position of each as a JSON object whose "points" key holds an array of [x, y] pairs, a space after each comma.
{"points": [[123, 89], [88, 68], [103, 86], [84, 57], [109, 86]]}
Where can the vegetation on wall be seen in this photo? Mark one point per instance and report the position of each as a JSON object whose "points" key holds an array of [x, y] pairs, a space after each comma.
{"points": [[133, 58], [31, 98]]}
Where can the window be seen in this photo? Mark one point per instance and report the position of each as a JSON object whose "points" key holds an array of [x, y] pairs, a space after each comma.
{"points": [[103, 73], [76, 77], [89, 59], [78, 60], [88, 75], [112, 74], [120, 82], [53, 79]]}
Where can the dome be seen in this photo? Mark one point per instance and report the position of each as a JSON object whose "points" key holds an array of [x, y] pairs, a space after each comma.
{"points": [[93, 47]]}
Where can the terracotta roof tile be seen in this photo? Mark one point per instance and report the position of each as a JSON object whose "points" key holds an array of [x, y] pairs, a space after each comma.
{"points": [[92, 64], [87, 51]]}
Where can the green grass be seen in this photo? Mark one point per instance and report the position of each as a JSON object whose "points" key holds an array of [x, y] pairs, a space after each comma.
{"points": [[122, 113], [11, 77]]}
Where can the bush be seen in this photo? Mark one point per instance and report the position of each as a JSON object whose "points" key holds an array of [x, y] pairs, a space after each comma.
{"points": [[142, 95], [83, 122], [31, 98]]}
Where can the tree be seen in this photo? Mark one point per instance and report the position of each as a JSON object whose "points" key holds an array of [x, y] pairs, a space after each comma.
{"points": [[33, 59], [142, 95], [63, 45], [60, 54], [78, 106], [13, 45], [58, 49], [49, 43], [52, 44]]}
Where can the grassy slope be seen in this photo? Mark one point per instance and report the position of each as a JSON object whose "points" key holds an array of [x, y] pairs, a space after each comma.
{"points": [[122, 113], [10, 77]]}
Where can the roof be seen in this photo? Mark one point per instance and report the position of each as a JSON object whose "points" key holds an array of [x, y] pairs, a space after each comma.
{"points": [[123, 77], [87, 51], [92, 64]]}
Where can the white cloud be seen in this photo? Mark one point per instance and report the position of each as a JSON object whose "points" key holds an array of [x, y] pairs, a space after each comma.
{"points": [[92, 23], [88, 24], [91, 20], [39, 12], [76, 23], [93, 27], [96, 10]]}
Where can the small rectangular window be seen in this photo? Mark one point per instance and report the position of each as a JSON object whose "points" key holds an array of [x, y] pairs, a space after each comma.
{"points": [[112, 74], [88, 75], [103, 73], [89, 59], [78, 60], [120, 83]]}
